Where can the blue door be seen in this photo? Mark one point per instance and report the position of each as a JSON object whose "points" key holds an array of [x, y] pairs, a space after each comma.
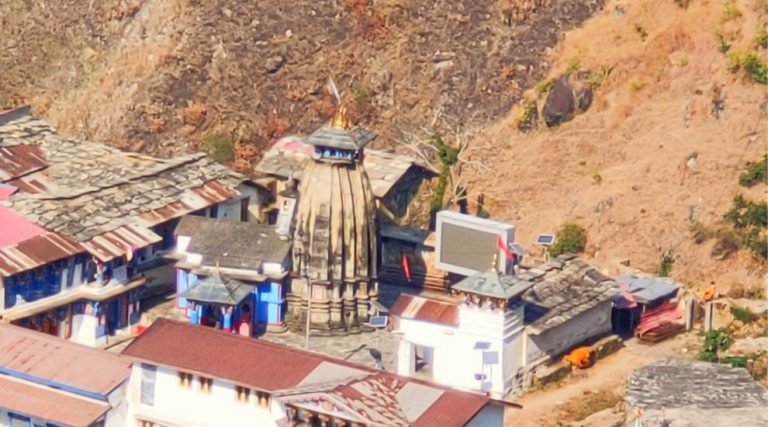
{"points": [[113, 315]]}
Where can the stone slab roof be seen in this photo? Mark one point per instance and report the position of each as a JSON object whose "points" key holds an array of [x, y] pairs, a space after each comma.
{"points": [[218, 289], [678, 384], [494, 285], [353, 139], [241, 245], [86, 189], [563, 288], [287, 157]]}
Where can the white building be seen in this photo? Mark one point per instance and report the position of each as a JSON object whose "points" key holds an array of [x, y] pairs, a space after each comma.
{"points": [[192, 376], [495, 328], [49, 382]]}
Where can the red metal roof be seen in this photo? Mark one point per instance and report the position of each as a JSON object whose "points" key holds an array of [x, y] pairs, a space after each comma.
{"points": [[49, 404], [419, 308], [452, 409], [15, 229], [117, 243], [55, 360], [255, 363], [36, 251], [20, 160]]}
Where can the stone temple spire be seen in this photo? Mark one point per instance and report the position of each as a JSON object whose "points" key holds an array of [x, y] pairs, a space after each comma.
{"points": [[335, 233]]}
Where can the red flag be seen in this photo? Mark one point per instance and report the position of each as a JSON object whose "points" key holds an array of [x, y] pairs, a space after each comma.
{"points": [[406, 268], [501, 246]]}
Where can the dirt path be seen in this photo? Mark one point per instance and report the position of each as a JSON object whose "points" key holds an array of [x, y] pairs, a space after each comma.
{"points": [[547, 406]]}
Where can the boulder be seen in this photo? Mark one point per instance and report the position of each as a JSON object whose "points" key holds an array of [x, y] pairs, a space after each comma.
{"points": [[560, 104], [584, 98]]}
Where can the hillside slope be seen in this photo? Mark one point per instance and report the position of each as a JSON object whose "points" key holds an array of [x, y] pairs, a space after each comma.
{"points": [[157, 75], [622, 168]]}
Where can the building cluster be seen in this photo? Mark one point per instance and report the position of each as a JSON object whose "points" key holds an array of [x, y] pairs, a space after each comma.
{"points": [[311, 246]]}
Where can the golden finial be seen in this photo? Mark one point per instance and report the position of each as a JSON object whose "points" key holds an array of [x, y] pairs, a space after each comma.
{"points": [[339, 119], [495, 264]]}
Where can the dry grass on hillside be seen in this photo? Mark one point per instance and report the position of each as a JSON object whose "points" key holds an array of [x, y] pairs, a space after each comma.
{"points": [[620, 168]]}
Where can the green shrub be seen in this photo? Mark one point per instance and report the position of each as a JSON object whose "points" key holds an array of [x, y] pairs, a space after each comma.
{"points": [[529, 116], [747, 214], [735, 361], [570, 238], [596, 79], [724, 45], [715, 341], [755, 173], [743, 314], [731, 10], [762, 37], [755, 68], [219, 147], [543, 87], [752, 65], [448, 156], [666, 262]]}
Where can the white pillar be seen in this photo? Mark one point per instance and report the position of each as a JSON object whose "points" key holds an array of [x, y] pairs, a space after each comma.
{"points": [[406, 359]]}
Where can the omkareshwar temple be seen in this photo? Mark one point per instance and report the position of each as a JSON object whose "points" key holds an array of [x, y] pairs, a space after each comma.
{"points": [[334, 231]]}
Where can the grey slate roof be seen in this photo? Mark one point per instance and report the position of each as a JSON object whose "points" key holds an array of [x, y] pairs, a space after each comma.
{"points": [[695, 385], [493, 284], [563, 288], [287, 157], [217, 289], [353, 139], [648, 289], [88, 188], [241, 245]]}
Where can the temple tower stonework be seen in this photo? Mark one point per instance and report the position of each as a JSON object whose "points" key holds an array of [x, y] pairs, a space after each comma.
{"points": [[334, 234]]}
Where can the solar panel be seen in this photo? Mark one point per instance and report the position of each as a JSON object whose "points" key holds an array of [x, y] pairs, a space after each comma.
{"points": [[480, 345], [491, 357], [378, 321], [545, 239]]}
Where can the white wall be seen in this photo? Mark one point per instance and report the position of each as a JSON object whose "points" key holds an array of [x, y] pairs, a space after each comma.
{"points": [[456, 361], [84, 329], [118, 415], [175, 405], [489, 416]]}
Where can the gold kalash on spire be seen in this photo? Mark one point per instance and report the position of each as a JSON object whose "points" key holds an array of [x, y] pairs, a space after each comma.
{"points": [[340, 119]]}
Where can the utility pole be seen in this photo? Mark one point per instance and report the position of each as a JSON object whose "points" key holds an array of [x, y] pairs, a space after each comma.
{"points": [[309, 301]]}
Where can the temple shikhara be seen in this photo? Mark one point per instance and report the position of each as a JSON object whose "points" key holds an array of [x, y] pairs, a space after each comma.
{"points": [[334, 233]]}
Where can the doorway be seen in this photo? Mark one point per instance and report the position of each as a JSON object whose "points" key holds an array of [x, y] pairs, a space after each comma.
{"points": [[425, 359]]}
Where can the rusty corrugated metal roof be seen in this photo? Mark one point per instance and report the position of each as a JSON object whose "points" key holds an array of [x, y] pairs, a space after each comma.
{"points": [[55, 360], [117, 243], [36, 251], [430, 310], [191, 200], [19, 160], [49, 404]]}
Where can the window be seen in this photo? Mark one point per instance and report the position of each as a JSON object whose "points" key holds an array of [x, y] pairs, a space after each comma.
{"points": [[18, 420], [185, 379], [262, 399], [205, 384], [148, 375], [243, 393]]}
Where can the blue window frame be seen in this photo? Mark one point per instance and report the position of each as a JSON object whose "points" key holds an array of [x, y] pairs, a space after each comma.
{"points": [[16, 420]]}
